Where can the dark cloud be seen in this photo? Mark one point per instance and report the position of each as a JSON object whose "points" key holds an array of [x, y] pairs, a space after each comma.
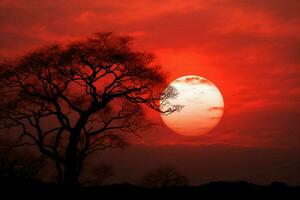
{"points": [[194, 80], [216, 109], [284, 10]]}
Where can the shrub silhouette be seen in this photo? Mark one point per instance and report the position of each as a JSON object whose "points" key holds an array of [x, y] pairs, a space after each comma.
{"points": [[164, 177], [16, 170], [99, 175]]}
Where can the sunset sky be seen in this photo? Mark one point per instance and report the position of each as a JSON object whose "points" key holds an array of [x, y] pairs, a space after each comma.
{"points": [[249, 49]]}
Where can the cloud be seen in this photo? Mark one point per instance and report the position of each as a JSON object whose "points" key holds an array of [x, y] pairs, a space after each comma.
{"points": [[193, 80], [282, 10], [216, 109]]}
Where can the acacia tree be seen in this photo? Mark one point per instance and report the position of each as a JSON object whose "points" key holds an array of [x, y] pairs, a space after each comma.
{"points": [[72, 100]]}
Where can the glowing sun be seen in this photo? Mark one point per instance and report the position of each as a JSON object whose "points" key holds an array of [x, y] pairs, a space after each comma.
{"points": [[202, 109]]}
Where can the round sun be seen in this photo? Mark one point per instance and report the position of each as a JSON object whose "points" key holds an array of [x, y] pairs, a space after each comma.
{"points": [[202, 106]]}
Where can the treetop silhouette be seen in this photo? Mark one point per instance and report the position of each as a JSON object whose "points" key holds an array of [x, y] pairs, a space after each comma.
{"points": [[72, 100]]}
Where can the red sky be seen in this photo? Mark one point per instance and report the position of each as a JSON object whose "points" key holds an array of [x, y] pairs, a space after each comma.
{"points": [[249, 49]]}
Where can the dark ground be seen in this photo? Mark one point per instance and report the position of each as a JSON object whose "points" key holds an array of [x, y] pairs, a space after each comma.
{"points": [[239, 190]]}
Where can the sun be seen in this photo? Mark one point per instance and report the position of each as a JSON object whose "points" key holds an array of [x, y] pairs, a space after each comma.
{"points": [[203, 106]]}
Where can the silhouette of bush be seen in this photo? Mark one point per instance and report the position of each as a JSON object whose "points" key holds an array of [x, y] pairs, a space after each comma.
{"points": [[163, 177], [17, 170], [99, 175]]}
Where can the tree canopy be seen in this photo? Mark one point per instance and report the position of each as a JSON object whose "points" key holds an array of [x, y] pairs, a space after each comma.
{"points": [[72, 100]]}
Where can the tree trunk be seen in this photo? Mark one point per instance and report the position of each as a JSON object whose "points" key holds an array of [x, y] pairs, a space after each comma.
{"points": [[71, 167], [71, 161], [59, 172]]}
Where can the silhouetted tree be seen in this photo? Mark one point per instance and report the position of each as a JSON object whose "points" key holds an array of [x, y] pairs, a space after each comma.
{"points": [[164, 177], [72, 100]]}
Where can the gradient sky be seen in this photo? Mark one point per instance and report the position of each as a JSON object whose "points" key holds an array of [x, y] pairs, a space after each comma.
{"points": [[249, 49]]}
